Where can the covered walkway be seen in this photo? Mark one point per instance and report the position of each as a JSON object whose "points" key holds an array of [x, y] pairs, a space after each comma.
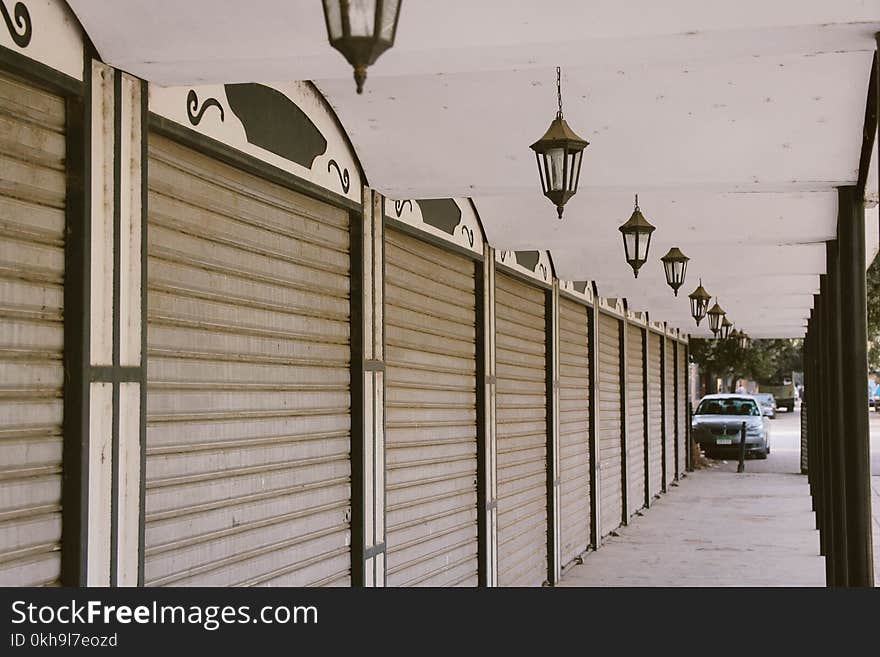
{"points": [[719, 529]]}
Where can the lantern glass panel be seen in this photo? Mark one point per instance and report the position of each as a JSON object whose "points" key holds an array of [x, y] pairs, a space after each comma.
{"points": [[334, 18], [389, 19], [574, 171], [361, 17], [631, 244], [556, 161]]}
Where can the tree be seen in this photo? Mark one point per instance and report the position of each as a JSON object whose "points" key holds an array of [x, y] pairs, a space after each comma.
{"points": [[765, 361], [872, 278]]}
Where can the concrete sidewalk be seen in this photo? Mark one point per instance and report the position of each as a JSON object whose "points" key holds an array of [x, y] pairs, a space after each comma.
{"points": [[715, 529]]}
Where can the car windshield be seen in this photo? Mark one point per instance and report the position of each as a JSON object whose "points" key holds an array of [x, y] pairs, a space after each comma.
{"points": [[727, 407], [765, 398]]}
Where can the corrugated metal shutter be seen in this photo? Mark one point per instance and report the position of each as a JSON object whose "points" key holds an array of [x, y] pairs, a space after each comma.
{"points": [[655, 415], [610, 445], [248, 438], [635, 410], [521, 409], [32, 220], [431, 397], [669, 383], [574, 428], [682, 410]]}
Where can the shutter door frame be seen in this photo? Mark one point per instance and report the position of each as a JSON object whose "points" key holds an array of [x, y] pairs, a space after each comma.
{"points": [[533, 540], [635, 407], [419, 567], [611, 461], [574, 442], [669, 408], [338, 459], [655, 414]]}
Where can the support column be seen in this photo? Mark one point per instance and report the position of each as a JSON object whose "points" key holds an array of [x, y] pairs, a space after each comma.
{"points": [[368, 393], [676, 392], [624, 425], [664, 482], [688, 447], [554, 546], [487, 470], [116, 308], [595, 497], [854, 407], [835, 411], [646, 333]]}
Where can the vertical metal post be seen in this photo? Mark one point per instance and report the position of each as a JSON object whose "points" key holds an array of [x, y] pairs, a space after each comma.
{"points": [[854, 407], [741, 466]]}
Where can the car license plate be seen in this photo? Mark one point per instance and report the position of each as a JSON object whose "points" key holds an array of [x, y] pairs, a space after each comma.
{"points": [[724, 441]]}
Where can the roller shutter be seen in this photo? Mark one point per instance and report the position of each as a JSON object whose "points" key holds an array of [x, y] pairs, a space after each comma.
{"points": [[521, 411], [610, 444], [248, 397], [669, 384], [635, 410], [655, 416], [32, 222], [574, 428], [681, 404], [431, 431]]}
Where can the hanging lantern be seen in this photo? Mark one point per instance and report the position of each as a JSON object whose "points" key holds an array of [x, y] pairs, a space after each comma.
{"points": [[636, 238], [716, 314], [744, 340], [675, 265], [559, 153], [726, 325], [699, 303], [361, 30]]}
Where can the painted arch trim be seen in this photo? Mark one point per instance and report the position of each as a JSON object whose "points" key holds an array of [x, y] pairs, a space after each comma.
{"points": [[289, 126], [45, 31]]}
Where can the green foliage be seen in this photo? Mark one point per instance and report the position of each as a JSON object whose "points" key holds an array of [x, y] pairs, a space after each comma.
{"points": [[872, 278], [765, 361]]}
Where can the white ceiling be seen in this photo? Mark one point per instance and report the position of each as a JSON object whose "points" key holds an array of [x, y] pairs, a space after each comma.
{"points": [[733, 121]]}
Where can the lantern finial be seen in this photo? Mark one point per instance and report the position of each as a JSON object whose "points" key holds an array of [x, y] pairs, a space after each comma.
{"points": [[361, 31]]}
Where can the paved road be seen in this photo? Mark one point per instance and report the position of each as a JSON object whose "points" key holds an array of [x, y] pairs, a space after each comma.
{"points": [[785, 448]]}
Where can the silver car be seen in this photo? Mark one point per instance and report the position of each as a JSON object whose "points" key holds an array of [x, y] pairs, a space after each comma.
{"points": [[717, 425]]}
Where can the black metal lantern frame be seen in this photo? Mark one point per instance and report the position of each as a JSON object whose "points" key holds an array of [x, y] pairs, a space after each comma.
{"points": [[699, 303], [636, 238], [675, 267], [559, 154], [726, 325], [716, 314], [361, 30]]}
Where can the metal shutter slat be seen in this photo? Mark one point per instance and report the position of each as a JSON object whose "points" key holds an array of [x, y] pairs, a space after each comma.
{"points": [[431, 420], [610, 445], [655, 414], [574, 429], [635, 408], [248, 396], [521, 412], [670, 411], [32, 224]]}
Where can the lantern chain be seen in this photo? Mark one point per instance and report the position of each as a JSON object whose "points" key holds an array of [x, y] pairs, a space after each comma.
{"points": [[559, 90]]}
